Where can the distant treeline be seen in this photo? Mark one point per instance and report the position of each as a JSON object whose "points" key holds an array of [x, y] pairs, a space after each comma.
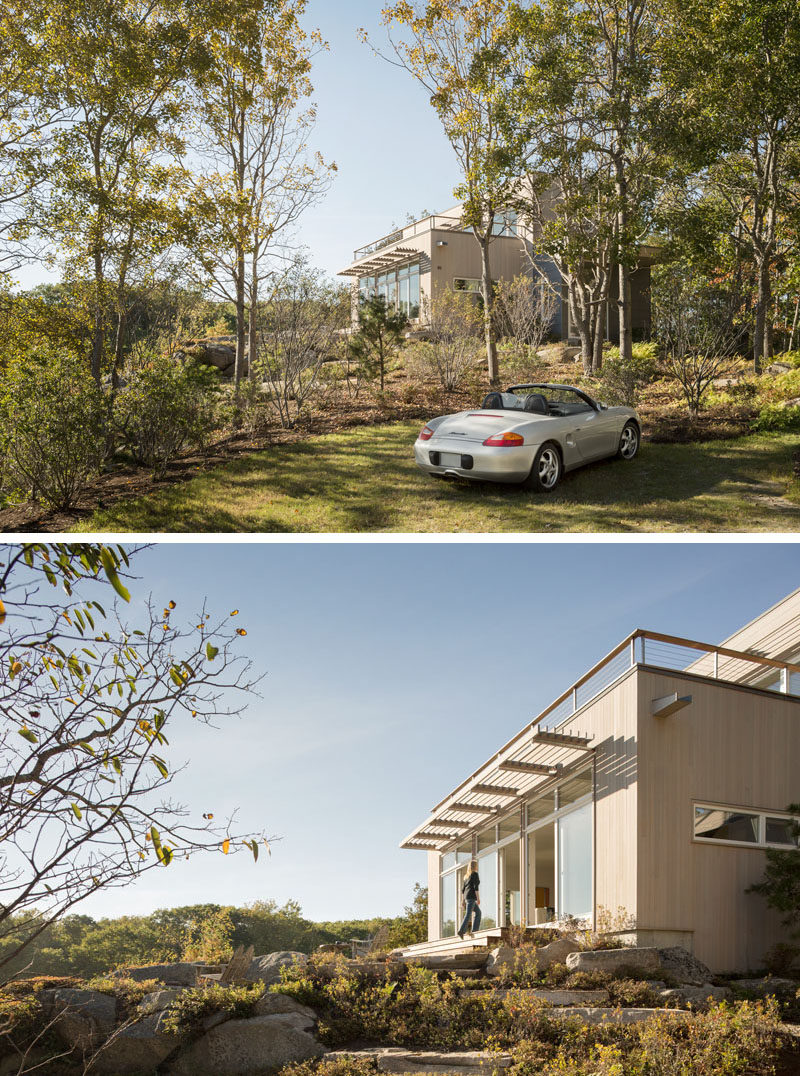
{"points": [[82, 946]]}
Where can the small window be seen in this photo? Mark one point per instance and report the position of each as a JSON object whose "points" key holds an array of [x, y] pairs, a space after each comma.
{"points": [[783, 831], [469, 284], [509, 827], [487, 838], [574, 789], [541, 808], [715, 824], [464, 852]]}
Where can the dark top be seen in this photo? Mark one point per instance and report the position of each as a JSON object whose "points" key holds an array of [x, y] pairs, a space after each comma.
{"points": [[471, 886]]}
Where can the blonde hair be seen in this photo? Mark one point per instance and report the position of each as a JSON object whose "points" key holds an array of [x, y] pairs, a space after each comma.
{"points": [[473, 866]]}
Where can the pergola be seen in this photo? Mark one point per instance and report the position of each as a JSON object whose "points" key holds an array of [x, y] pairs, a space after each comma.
{"points": [[377, 263], [533, 760]]}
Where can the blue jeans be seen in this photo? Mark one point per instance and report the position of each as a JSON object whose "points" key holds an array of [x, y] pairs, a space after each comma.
{"points": [[473, 909]]}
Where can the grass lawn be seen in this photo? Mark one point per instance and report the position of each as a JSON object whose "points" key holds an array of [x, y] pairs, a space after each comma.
{"points": [[365, 479]]}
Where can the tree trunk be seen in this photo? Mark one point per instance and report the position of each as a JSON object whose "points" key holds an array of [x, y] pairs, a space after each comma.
{"points": [[598, 336], [252, 324], [488, 301], [581, 318], [624, 298], [794, 325], [240, 317], [762, 303], [97, 336]]}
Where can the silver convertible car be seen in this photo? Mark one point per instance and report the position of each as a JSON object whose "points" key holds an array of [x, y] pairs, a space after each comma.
{"points": [[529, 434]]}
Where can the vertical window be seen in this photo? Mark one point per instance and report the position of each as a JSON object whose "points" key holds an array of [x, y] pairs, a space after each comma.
{"points": [[449, 905], [487, 871], [413, 292], [575, 863]]}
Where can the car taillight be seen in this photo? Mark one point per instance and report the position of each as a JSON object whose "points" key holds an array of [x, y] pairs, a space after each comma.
{"points": [[499, 440], [426, 433]]}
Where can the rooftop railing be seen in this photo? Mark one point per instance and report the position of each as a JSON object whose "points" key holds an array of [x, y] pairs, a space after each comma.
{"points": [[427, 224], [673, 653]]}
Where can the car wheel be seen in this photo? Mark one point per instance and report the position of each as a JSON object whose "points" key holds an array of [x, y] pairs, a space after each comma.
{"points": [[546, 470], [628, 441]]}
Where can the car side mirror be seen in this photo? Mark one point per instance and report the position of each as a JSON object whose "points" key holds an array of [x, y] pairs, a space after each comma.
{"points": [[602, 406]]}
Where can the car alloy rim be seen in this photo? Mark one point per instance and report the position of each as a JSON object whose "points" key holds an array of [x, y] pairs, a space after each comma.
{"points": [[548, 468], [629, 439]]}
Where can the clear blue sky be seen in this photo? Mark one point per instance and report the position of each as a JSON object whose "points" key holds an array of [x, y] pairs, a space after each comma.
{"points": [[376, 123], [393, 671]]}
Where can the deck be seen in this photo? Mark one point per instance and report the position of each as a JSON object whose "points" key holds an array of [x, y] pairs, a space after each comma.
{"points": [[479, 942]]}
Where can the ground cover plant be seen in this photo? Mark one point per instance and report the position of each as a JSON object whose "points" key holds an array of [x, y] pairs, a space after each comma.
{"points": [[366, 480]]}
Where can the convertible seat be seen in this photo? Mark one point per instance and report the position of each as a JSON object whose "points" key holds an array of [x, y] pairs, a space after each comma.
{"points": [[491, 401], [536, 403]]}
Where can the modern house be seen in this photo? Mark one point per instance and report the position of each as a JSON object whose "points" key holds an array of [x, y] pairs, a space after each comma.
{"points": [[652, 785], [438, 252]]}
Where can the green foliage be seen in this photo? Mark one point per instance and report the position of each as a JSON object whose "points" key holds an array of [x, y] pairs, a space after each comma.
{"points": [[188, 1011], [54, 423], [774, 417], [621, 380], [340, 1066], [781, 883], [379, 335], [210, 938], [129, 991], [412, 926], [165, 407]]}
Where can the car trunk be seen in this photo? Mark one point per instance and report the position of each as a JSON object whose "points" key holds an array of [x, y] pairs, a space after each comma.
{"points": [[471, 426]]}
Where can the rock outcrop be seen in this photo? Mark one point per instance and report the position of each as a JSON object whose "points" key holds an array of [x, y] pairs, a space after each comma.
{"points": [[257, 1046], [267, 969], [84, 1018], [179, 974], [646, 961]]}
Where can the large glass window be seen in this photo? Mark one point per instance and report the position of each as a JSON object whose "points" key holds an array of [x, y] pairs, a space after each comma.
{"points": [[400, 288], [487, 871], [413, 292], [575, 863]]}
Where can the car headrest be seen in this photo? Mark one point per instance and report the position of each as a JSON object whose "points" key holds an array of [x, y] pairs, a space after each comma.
{"points": [[491, 401], [536, 403]]}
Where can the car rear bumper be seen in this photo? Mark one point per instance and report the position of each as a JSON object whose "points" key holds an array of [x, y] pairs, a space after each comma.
{"points": [[472, 459]]}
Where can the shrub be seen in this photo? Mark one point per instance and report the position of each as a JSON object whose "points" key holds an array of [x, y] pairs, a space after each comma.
{"points": [[165, 407], [191, 1007], [129, 991], [621, 381], [54, 421], [777, 418], [452, 339], [632, 993]]}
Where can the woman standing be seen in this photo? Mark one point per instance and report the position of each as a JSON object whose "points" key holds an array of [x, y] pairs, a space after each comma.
{"points": [[473, 901]]}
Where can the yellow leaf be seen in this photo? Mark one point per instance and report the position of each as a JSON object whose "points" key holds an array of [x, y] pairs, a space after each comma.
{"points": [[241, 631], [234, 612], [2, 612], [172, 605], [226, 845]]}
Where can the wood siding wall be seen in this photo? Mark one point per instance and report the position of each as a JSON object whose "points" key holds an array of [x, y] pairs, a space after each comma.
{"points": [[730, 746]]}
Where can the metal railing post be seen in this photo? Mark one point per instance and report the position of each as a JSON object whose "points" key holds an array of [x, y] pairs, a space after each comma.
{"points": [[574, 700], [644, 662], [785, 680], [633, 651], [716, 665]]}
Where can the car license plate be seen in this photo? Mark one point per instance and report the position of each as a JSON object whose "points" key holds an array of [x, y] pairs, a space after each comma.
{"points": [[450, 459]]}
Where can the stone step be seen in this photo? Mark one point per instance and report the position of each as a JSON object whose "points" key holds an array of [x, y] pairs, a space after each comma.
{"points": [[458, 1063], [602, 1015]]}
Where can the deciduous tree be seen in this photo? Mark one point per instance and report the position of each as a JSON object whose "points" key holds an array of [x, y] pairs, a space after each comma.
{"points": [[87, 704]]}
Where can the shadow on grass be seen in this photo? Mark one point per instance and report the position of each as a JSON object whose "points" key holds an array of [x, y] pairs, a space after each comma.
{"points": [[366, 480]]}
